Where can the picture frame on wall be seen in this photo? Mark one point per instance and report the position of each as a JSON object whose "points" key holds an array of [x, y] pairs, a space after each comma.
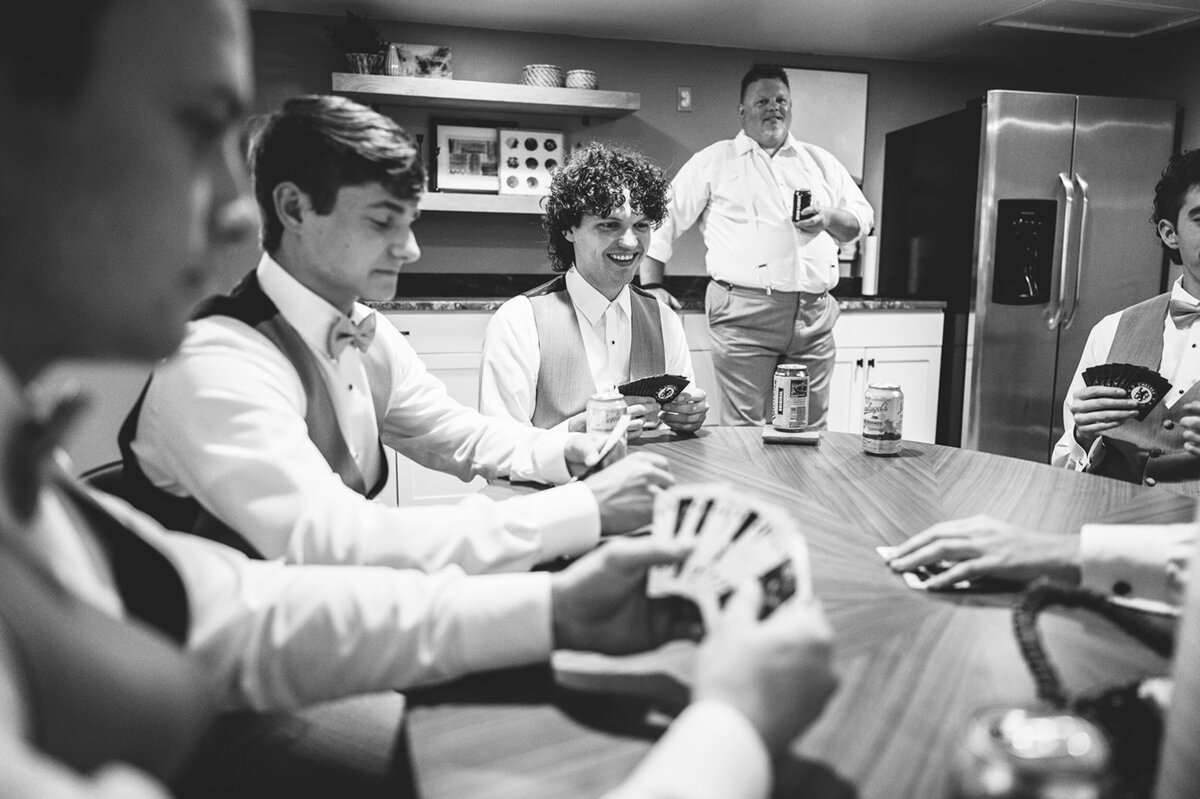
{"points": [[528, 159], [465, 156]]}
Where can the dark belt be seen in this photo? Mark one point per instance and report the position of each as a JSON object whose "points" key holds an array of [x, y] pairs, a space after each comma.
{"points": [[804, 295]]}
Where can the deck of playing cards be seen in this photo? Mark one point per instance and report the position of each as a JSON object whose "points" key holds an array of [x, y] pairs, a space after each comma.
{"points": [[1145, 386], [735, 538], [663, 388]]}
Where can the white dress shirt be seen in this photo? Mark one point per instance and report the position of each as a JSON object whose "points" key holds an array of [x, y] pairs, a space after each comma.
{"points": [[223, 421], [1180, 365], [1143, 561], [511, 357], [742, 197]]}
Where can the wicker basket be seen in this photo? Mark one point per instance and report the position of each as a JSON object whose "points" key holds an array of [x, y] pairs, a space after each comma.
{"points": [[581, 79], [542, 75]]}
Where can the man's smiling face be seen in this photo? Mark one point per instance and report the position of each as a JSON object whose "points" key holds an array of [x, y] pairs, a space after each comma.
{"points": [[609, 248]]}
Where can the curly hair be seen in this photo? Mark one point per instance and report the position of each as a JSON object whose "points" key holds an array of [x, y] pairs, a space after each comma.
{"points": [[323, 143], [593, 181], [1182, 172]]}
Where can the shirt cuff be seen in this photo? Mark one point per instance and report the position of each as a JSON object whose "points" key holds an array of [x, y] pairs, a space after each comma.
{"points": [[568, 517], [487, 605], [710, 752], [1130, 559]]}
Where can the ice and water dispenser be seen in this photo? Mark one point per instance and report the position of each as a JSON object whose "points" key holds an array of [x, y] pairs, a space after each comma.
{"points": [[1024, 254]]}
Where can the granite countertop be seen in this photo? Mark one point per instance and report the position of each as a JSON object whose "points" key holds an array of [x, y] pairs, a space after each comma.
{"points": [[486, 292]]}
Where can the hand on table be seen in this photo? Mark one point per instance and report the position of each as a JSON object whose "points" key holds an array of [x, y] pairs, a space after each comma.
{"points": [[1096, 409], [775, 672], [643, 415], [1191, 428], [981, 545], [686, 413], [599, 602]]}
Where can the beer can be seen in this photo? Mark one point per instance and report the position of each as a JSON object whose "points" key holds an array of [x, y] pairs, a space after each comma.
{"points": [[604, 409], [883, 419], [801, 199], [791, 396], [1028, 753]]}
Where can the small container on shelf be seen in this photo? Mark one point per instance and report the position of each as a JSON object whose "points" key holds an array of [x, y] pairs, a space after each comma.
{"points": [[549, 75], [581, 79]]}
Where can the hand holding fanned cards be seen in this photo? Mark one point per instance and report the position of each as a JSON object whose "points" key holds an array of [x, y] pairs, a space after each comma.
{"points": [[663, 388], [1145, 386], [735, 538]]}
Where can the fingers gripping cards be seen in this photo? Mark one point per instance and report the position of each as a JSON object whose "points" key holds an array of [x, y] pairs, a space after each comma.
{"points": [[735, 538]]}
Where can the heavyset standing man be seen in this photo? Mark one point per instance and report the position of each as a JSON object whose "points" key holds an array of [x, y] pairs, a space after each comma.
{"points": [[768, 302]]}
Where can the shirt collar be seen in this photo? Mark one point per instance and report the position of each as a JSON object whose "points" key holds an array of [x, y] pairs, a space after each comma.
{"points": [[1178, 292], [304, 310], [591, 303], [742, 144]]}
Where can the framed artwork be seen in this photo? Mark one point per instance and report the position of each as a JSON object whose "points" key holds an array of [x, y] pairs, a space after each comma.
{"points": [[829, 109], [527, 159], [465, 158], [424, 60]]}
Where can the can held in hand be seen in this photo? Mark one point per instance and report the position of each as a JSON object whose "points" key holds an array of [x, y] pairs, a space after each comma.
{"points": [[883, 419], [1025, 753], [801, 199], [791, 396], [604, 409]]}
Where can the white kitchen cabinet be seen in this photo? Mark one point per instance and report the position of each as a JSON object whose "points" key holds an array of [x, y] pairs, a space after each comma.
{"points": [[902, 347], [449, 343]]}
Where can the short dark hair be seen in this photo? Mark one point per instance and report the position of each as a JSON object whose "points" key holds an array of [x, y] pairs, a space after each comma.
{"points": [[1182, 172], [593, 181], [323, 143], [50, 51], [763, 72]]}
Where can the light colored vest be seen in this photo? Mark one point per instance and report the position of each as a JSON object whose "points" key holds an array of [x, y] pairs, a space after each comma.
{"points": [[1151, 448], [564, 378]]}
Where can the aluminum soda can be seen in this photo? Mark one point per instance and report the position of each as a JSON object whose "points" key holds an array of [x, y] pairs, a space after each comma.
{"points": [[801, 199], [791, 396], [604, 409], [883, 419], [1031, 753]]}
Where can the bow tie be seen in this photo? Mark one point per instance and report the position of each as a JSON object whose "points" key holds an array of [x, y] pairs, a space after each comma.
{"points": [[344, 333], [1183, 313]]}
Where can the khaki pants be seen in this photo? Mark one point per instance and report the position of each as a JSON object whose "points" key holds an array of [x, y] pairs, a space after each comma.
{"points": [[752, 332]]}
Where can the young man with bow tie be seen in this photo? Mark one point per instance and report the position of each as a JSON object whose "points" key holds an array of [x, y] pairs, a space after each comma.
{"points": [[1102, 436], [264, 430]]}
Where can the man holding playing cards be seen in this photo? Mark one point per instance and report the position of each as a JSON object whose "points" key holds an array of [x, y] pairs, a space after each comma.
{"points": [[546, 352], [1107, 431]]}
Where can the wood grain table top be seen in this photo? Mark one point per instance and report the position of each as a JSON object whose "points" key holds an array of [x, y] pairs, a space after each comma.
{"points": [[912, 666]]}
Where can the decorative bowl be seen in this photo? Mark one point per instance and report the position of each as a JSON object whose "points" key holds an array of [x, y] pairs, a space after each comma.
{"points": [[581, 79], [542, 75]]}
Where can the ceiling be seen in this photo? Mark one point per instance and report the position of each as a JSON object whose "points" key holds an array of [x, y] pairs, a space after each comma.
{"points": [[941, 31]]}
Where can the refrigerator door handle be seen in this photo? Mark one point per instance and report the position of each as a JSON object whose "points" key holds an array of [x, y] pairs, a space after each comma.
{"points": [[1083, 220], [1056, 309]]}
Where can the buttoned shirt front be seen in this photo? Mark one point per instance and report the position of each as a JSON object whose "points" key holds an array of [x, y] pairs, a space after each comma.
{"points": [[1180, 366], [511, 357], [223, 422], [741, 195]]}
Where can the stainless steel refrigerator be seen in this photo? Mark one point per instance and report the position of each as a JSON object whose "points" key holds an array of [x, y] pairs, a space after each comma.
{"points": [[1028, 214]]}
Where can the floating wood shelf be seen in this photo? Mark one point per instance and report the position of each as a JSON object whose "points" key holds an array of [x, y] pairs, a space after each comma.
{"points": [[481, 203], [471, 95]]}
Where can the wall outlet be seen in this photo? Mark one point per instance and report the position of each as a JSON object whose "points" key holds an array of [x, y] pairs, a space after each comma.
{"points": [[683, 99]]}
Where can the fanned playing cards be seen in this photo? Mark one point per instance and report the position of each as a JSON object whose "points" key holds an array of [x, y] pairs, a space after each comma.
{"points": [[735, 538], [1145, 386], [663, 388]]}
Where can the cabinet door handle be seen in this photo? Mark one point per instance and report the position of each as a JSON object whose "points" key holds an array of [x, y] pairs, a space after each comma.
{"points": [[871, 362], [405, 333], [859, 363]]}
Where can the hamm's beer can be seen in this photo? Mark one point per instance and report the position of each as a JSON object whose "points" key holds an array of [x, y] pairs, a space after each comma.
{"points": [[883, 419], [1021, 753], [791, 396]]}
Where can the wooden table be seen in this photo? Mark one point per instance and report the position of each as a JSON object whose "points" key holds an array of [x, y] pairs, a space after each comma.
{"points": [[912, 666]]}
